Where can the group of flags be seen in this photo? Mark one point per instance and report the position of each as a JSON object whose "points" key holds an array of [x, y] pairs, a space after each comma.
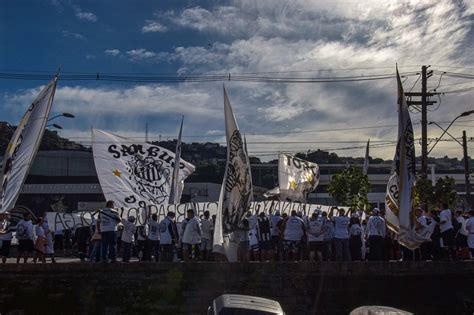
{"points": [[138, 174]]}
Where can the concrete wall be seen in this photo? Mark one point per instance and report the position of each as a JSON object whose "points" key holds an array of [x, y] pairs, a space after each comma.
{"points": [[301, 288]]}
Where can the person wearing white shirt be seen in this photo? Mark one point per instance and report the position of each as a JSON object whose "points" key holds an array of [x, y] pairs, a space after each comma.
{"points": [[5, 236], [108, 218], [376, 231], [425, 228], [25, 236], [143, 243], [275, 221], [191, 237], [154, 237], [470, 230], [341, 237], [293, 232], [461, 237], [127, 238], [315, 237], [49, 249], [40, 242], [355, 240], [447, 230], [328, 236], [207, 228], [168, 237]]}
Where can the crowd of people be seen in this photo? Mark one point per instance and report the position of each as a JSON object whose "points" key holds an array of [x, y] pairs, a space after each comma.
{"points": [[318, 236]]}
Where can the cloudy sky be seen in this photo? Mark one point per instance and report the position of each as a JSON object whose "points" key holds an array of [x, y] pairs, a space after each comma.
{"points": [[256, 38]]}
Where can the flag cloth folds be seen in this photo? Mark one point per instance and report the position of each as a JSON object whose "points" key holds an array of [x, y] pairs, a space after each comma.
{"points": [[176, 184], [134, 174], [236, 190], [24, 144], [399, 212], [365, 168], [296, 177]]}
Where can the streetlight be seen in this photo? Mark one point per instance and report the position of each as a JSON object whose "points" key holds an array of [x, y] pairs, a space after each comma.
{"points": [[464, 146], [67, 115], [464, 114], [55, 126]]}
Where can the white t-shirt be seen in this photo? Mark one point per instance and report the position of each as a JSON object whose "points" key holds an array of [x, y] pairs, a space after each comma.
{"points": [[341, 227], [192, 232], [109, 218], [463, 221], [153, 230], [24, 230], [445, 215], [39, 231], [4, 227], [470, 225], [165, 236], [293, 229], [274, 219], [355, 230], [315, 230], [376, 226], [252, 222], [207, 227], [128, 232]]}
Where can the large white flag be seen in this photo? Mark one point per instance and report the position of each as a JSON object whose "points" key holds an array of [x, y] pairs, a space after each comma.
{"points": [[236, 190], [132, 173], [399, 212], [296, 177], [365, 168], [23, 146], [177, 185]]}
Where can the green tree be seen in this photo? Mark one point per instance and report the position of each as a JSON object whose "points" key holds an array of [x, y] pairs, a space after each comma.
{"points": [[444, 191], [350, 188]]}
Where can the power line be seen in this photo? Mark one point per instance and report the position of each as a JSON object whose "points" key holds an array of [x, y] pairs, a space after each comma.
{"points": [[173, 78]]}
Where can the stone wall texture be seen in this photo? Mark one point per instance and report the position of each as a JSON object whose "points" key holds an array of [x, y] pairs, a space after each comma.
{"points": [[179, 288]]}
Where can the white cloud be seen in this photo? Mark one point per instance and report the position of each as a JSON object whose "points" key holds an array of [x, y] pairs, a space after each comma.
{"points": [[69, 34], [153, 27], [140, 54], [86, 16], [112, 52], [271, 38]]}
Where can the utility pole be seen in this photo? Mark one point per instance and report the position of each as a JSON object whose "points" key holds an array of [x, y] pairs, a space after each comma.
{"points": [[146, 132], [466, 167], [424, 126], [423, 103]]}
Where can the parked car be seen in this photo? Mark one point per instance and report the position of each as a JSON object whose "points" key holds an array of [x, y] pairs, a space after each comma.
{"points": [[236, 304]]}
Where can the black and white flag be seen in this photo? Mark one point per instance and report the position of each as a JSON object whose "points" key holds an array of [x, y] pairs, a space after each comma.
{"points": [[24, 144], [132, 173], [236, 190]]}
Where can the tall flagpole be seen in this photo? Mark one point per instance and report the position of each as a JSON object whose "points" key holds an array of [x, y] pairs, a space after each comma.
{"points": [[175, 193], [365, 169]]}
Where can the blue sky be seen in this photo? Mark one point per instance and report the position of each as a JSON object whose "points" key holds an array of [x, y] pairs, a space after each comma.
{"points": [[286, 38]]}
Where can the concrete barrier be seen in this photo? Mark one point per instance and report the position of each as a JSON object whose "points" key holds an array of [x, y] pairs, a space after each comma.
{"points": [[301, 288]]}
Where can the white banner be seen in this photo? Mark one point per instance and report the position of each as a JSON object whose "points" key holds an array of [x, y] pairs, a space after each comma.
{"points": [[399, 212], [61, 221], [236, 191], [133, 173], [23, 146], [296, 177]]}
